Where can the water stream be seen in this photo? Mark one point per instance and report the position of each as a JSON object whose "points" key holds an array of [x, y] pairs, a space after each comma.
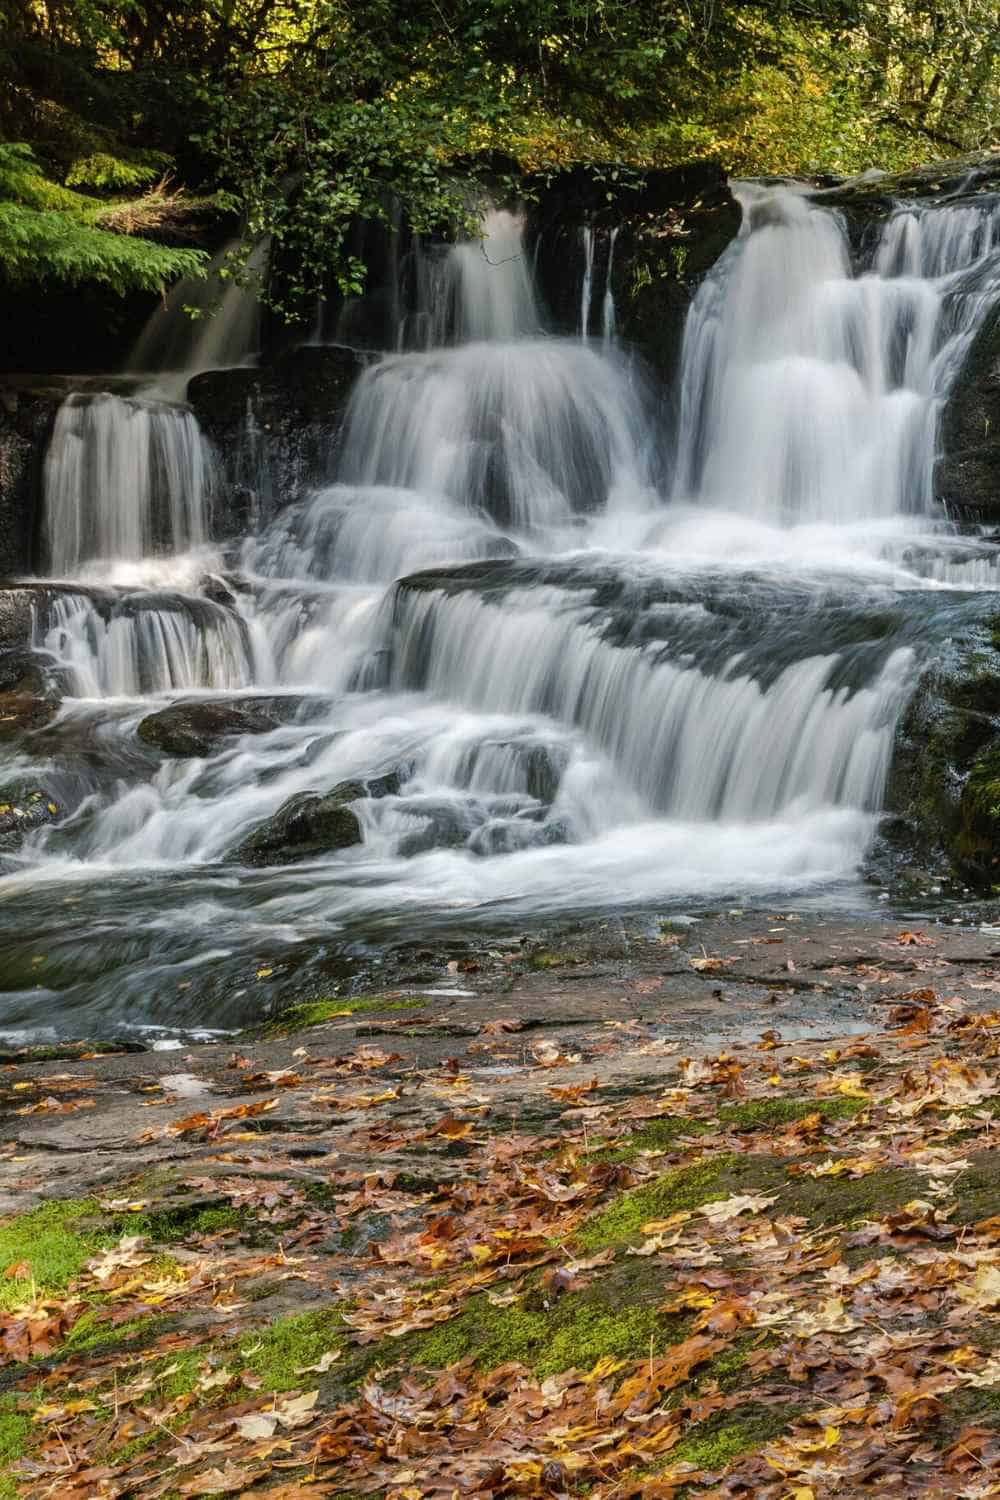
{"points": [[609, 659]]}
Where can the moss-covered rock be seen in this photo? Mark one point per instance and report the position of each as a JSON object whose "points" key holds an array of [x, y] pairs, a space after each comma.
{"points": [[202, 727]]}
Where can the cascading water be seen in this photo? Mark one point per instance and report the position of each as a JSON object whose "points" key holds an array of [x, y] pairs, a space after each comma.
{"points": [[123, 479], [591, 687]]}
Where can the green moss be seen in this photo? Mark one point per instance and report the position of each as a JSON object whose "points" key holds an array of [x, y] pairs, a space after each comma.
{"points": [[316, 1012], [93, 1331], [168, 1225], [978, 836], [820, 1201], [47, 1241], [14, 1430], [280, 1351], [685, 1188], [764, 1114], [617, 1316], [978, 1190], [845, 1200], [716, 1442], [756, 1114], [973, 1404], [544, 959]]}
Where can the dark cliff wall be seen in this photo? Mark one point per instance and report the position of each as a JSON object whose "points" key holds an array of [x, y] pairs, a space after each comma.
{"points": [[669, 227], [26, 417], [274, 431]]}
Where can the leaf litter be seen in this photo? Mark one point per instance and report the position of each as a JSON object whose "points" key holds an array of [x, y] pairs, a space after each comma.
{"points": [[768, 1273]]}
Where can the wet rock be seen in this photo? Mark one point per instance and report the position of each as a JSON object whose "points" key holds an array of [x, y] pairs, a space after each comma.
{"points": [[967, 477], [943, 792], [446, 823], [201, 728], [26, 418], [311, 824], [24, 806], [672, 226], [273, 429], [22, 713], [22, 671]]}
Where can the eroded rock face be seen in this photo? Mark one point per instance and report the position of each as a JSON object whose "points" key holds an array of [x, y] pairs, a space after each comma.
{"points": [[274, 430], [312, 824], [201, 728], [967, 478]]}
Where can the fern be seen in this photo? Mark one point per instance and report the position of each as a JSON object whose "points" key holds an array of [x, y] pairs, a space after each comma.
{"points": [[49, 232]]}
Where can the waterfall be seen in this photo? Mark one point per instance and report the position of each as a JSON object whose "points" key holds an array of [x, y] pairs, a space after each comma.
{"points": [[809, 393], [608, 314], [591, 687], [532, 432], [588, 238], [123, 478]]}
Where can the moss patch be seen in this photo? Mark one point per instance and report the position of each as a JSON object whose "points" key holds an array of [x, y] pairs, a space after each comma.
{"points": [[716, 1442], [617, 1315], [316, 1012], [278, 1353], [49, 1244], [820, 1201], [684, 1188], [14, 1430], [663, 1133]]}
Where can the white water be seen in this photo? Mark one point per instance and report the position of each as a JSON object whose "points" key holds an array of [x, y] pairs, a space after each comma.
{"points": [[809, 394], [618, 694], [123, 478]]}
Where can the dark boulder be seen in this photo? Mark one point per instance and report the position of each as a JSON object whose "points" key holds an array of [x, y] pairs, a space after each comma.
{"points": [[201, 727], [942, 797], [312, 824]]}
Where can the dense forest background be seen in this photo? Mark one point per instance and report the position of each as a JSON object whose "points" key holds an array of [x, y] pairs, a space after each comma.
{"points": [[126, 128]]}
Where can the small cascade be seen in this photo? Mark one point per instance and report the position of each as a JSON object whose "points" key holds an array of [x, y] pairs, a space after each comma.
{"points": [[139, 645], [608, 311], [123, 479], [695, 745], [223, 332], [598, 257], [587, 287], [473, 290], [531, 433]]}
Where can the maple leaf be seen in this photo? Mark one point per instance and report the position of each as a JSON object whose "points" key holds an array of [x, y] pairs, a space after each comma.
{"points": [[914, 940]]}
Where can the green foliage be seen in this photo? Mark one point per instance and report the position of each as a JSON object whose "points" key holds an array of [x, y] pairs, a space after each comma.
{"points": [[48, 231], [101, 170], [310, 117]]}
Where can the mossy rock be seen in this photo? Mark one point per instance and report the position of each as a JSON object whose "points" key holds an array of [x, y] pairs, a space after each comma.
{"points": [[617, 1315], [822, 1202], [318, 1012], [978, 839]]}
